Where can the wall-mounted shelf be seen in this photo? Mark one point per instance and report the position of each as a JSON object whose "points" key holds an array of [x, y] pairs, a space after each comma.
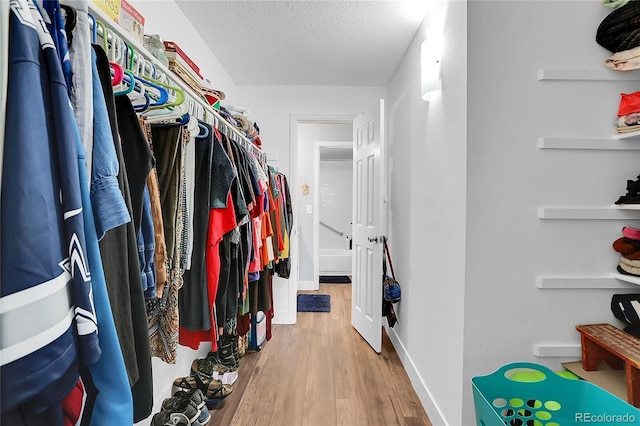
{"points": [[604, 74], [627, 206], [627, 135], [551, 350], [614, 143], [626, 278], [582, 283], [587, 213]]}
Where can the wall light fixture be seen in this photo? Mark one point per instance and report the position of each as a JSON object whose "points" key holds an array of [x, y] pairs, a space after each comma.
{"points": [[431, 65]]}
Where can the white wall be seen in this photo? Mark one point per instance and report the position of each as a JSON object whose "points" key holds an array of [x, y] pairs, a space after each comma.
{"points": [[510, 178], [427, 188], [335, 202], [165, 18]]}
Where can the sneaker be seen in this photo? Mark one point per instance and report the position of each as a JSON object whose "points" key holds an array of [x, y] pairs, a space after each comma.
{"points": [[184, 406], [196, 396], [205, 365], [166, 418], [205, 416], [212, 367]]}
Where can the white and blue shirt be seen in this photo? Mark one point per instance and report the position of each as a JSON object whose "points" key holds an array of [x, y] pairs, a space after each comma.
{"points": [[47, 318]]}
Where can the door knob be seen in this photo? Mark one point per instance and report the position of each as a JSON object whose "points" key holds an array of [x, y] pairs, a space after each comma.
{"points": [[373, 239]]}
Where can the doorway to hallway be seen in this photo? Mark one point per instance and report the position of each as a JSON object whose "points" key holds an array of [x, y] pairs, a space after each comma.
{"points": [[333, 204], [309, 132]]}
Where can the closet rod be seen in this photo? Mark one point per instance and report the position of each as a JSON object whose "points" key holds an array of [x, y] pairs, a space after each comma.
{"points": [[99, 15]]}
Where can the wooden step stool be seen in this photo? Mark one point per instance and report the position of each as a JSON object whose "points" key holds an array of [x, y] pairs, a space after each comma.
{"points": [[619, 349]]}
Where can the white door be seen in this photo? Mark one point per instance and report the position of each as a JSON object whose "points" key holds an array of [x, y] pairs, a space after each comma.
{"points": [[369, 221]]}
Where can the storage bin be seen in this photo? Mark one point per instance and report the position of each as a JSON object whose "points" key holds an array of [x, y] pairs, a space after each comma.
{"points": [[258, 331], [551, 400]]}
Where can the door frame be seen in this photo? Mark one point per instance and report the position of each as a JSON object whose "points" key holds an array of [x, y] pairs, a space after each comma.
{"points": [[294, 121], [316, 203]]}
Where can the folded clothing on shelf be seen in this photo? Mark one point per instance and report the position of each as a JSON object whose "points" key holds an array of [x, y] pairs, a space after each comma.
{"points": [[629, 248]]}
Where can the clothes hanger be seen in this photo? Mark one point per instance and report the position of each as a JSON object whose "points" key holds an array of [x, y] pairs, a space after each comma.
{"points": [[70, 21], [162, 94], [193, 126], [137, 64], [117, 73], [145, 106], [159, 94], [114, 53], [128, 82], [105, 42], [204, 129], [92, 26], [137, 92]]}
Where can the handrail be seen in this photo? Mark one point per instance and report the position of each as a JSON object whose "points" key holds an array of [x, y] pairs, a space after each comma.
{"points": [[330, 228]]}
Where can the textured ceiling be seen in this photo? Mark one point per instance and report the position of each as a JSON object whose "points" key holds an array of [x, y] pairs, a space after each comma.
{"points": [[353, 43]]}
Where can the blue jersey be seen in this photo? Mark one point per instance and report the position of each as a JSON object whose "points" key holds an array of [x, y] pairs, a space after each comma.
{"points": [[47, 319]]}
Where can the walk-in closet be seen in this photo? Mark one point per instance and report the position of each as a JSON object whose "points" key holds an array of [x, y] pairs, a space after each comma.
{"points": [[144, 216]]}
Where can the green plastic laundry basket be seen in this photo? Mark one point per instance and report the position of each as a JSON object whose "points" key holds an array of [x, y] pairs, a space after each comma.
{"points": [[552, 401]]}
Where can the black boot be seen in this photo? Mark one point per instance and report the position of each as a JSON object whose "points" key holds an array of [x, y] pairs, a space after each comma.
{"points": [[226, 351]]}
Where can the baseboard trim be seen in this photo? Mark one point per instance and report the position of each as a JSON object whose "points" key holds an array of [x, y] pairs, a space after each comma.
{"points": [[432, 409], [307, 285]]}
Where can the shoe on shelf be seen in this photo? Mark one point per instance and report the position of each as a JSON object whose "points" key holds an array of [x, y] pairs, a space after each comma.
{"points": [[182, 405], [166, 418]]}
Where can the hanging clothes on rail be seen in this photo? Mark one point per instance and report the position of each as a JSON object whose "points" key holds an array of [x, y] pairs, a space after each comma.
{"points": [[221, 220], [168, 146], [81, 64], [63, 337], [4, 72], [119, 251], [108, 391], [193, 296]]}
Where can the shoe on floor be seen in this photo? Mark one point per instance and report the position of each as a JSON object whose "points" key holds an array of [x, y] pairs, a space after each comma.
{"points": [[196, 396], [211, 366], [205, 365], [218, 398], [182, 405], [210, 387], [205, 416], [166, 418]]}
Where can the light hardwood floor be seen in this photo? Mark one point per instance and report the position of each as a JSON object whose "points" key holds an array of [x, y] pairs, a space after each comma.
{"points": [[320, 372]]}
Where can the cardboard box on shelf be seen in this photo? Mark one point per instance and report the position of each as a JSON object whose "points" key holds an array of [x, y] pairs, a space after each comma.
{"points": [[125, 15], [132, 21], [174, 52]]}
